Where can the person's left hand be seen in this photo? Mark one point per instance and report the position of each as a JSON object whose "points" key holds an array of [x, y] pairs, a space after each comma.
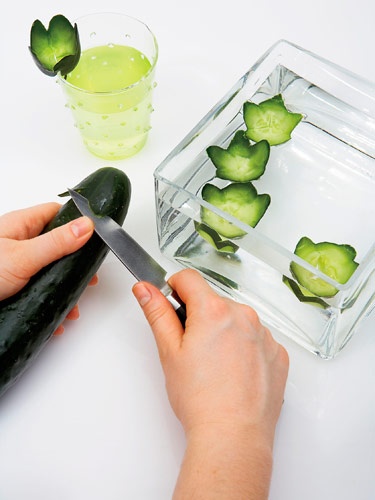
{"points": [[24, 251]]}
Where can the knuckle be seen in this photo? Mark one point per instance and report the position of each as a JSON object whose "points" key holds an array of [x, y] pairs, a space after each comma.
{"points": [[253, 317], [284, 357], [218, 307], [155, 314], [56, 239]]}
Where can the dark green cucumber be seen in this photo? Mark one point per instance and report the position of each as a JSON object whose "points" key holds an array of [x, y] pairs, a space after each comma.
{"points": [[270, 120], [240, 200], [29, 318], [241, 161], [334, 260]]}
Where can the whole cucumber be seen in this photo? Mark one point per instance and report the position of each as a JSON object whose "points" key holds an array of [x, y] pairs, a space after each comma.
{"points": [[29, 318]]}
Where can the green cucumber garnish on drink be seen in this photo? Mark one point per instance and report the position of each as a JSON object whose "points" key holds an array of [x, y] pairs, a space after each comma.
{"points": [[55, 49], [332, 259], [270, 120], [239, 200], [241, 161]]}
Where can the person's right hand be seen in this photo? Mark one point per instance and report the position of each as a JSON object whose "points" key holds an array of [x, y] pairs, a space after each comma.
{"points": [[225, 367], [225, 378]]}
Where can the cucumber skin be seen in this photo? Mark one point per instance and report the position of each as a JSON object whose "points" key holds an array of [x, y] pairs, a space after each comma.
{"points": [[29, 318]]}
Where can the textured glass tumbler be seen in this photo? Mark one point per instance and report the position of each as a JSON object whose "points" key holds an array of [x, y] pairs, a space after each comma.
{"points": [[110, 91]]}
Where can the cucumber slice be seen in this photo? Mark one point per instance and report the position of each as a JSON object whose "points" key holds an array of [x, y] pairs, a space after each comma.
{"points": [[237, 199], [56, 49], [241, 161], [270, 120], [334, 260], [214, 238]]}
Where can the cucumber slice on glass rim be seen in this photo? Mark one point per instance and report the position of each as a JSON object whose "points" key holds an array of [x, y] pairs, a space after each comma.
{"points": [[55, 49]]}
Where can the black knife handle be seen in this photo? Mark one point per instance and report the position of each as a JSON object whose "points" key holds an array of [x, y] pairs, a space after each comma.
{"points": [[178, 306]]}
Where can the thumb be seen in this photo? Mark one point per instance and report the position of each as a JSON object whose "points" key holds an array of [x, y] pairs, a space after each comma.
{"points": [[42, 250], [161, 316]]}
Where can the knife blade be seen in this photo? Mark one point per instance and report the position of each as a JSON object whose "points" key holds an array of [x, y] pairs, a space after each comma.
{"points": [[130, 253]]}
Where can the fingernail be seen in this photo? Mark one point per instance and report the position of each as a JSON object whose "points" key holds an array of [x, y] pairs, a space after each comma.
{"points": [[81, 226], [142, 294]]}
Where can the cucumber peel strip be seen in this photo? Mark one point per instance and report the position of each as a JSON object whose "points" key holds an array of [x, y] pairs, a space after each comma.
{"points": [[213, 238], [304, 295]]}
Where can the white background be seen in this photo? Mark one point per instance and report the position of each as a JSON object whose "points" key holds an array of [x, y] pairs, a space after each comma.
{"points": [[90, 420]]}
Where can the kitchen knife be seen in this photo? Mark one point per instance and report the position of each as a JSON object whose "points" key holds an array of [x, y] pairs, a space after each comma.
{"points": [[130, 253]]}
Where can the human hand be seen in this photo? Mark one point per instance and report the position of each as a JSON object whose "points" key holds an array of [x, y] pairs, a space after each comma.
{"points": [[225, 378], [24, 251], [225, 368]]}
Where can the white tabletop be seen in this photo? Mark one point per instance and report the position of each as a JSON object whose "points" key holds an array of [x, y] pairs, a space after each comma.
{"points": [[90, 420]]}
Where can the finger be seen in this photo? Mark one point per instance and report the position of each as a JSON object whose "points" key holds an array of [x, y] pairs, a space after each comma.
{"points": [[191, 287], [27, 222], [74, 313], [48, 247], [166, 326], [59, 330], [94, 280]]}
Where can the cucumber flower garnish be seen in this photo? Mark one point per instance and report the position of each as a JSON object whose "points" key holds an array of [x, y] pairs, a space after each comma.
{"points": [[56, 49]]}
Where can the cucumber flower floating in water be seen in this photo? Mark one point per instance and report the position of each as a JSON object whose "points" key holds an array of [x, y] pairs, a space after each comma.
{"points": [[56, 49], [334, 260], [270, 120], [241, 161]]}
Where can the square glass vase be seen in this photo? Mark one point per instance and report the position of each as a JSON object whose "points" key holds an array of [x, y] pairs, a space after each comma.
{"points": [[321, 183]]}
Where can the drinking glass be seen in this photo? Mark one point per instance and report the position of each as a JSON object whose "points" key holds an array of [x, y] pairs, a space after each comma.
{"points": [[110, 90]]}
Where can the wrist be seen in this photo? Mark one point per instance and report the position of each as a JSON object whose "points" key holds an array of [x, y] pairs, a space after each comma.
{"points": [[224, 462], [242, 433], [237, 436]]}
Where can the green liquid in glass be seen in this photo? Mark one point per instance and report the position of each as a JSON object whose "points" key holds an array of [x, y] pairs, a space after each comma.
{"points": [[110, 96]]}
